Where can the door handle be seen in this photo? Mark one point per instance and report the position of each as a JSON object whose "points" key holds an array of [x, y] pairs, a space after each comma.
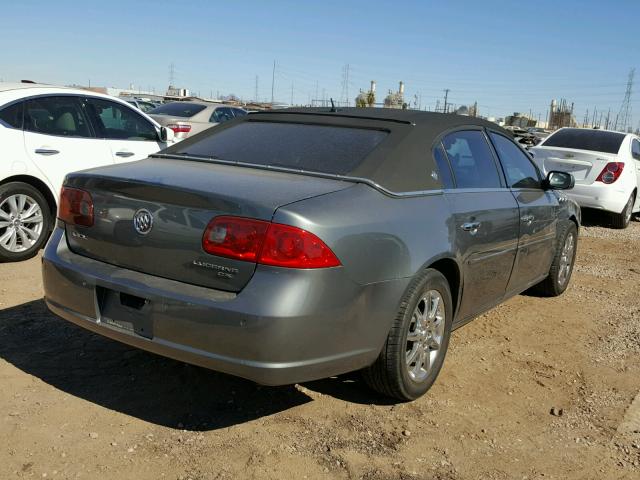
{"points": [[46, 151], [124, 154], [528, 219], [471, 227]]}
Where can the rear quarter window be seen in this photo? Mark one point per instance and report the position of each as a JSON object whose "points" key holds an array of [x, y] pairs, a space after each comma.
{"points": [[178, 109], [583, 139], [318, 148], [11, 116]]}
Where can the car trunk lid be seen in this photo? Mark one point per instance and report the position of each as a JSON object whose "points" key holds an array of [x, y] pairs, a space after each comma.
{"points": [[584, 165], [182, 197]]}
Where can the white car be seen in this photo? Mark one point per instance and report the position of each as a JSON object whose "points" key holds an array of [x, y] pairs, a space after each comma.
{"points": [[605, 165], [47, 132]]}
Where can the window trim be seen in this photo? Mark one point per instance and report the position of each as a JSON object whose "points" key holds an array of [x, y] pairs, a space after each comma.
{"points": [[446, 159], [81, 108], [524, 152]]}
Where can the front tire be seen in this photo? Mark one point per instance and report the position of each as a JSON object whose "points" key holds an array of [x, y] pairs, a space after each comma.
{"points": [[562, 266], [416, 345], [25, 221], [621, 220]]}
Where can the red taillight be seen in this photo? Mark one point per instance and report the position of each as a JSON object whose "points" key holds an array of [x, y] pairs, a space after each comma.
{"points": [[234, 237], [266, 243], [611, 172], [179, 128], [75, 207], [292, 247]]}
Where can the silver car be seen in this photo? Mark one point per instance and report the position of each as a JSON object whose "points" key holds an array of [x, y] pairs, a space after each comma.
{"points": [[189, 118], [294, 245]]}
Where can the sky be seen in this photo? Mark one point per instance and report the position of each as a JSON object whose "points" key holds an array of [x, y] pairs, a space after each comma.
{"points": [[507, 56]]}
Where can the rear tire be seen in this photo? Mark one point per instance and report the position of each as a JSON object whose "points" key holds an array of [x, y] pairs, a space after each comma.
{"points": [[417, 343], [25, 221], [621, 220], [562, 266]]}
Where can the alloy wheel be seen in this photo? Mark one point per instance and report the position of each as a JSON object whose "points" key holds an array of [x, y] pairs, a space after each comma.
{"points": [[425, 335], [21, 223], [566, 259]]}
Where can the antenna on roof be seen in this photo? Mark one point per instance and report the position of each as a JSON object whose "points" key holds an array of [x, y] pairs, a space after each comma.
{"points": [[333, 105]]}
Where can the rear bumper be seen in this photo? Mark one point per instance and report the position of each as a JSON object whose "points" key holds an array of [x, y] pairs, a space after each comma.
{"points": [[599, 196], [285, 326]]}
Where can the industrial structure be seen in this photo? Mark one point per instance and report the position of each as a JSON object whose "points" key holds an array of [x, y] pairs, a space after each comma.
{"points": [[367, 99], [561, 115], [395, 99]]}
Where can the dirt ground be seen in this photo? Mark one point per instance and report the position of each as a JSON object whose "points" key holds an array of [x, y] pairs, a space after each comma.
{"points": [[535, 389]]}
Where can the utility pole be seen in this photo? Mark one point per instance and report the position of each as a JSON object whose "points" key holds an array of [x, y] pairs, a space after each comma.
{"points": [[256, 97], [606, 125], [273, 80], [291, 104], [586, 119], [446, 95], [316, 97], [172, 74]]}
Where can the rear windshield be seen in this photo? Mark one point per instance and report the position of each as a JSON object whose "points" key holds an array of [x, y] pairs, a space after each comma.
{"points": [[595, 140], [318, 148], [178, 109]]}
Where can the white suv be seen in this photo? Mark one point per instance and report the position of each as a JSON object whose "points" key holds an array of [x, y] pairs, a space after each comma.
{"points": [[605, 165], [47, 132]]}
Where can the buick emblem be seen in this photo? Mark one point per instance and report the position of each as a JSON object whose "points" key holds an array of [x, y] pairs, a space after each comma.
{"points": [[143, 221]]}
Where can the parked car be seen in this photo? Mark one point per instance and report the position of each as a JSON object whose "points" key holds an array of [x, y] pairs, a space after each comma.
{"points": [[189, 118], [605, 164], [47, 132], [331, 242], [142, 105]]}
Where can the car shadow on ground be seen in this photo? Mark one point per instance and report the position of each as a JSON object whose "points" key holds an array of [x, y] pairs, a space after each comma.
{"points": [[147, 386]]}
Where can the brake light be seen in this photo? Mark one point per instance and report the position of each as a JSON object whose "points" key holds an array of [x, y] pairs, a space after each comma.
{"points": [[234, 237], [75, 207], [179, 128], [611, 172], [266, 243]]}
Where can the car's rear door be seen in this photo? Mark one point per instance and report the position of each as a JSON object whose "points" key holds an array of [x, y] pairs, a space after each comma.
{"points": [[128, 135], [538, 214], [59, 139], [484, 222]]}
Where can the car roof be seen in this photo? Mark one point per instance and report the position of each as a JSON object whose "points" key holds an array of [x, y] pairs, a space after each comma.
{"points": [[414, 117], [402, 163]]}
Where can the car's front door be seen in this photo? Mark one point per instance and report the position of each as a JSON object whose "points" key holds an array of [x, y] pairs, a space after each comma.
{"points": [[59, 139], [538, 214], [128, 134], [484, 221]]}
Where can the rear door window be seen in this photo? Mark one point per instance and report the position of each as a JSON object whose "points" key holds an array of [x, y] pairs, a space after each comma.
{"points": [[471, 160], [238, 112], [221, 114], [518, 169], [317, 148], [585, 139], [178, 109], [62, 116]]}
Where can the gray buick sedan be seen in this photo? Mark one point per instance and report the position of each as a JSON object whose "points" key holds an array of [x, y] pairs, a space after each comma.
{"points": [[297, 244]]}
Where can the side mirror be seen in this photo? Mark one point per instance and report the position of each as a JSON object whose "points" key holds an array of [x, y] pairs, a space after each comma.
{"points": [[559, 181], [167, 135]]}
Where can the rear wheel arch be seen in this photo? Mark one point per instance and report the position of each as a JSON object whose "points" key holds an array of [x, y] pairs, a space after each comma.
{"points": [[39, 185], [451, 271]]}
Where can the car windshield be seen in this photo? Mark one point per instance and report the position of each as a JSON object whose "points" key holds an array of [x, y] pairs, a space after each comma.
{"points": [[319, 148], [583, 139], [178, 109]]}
